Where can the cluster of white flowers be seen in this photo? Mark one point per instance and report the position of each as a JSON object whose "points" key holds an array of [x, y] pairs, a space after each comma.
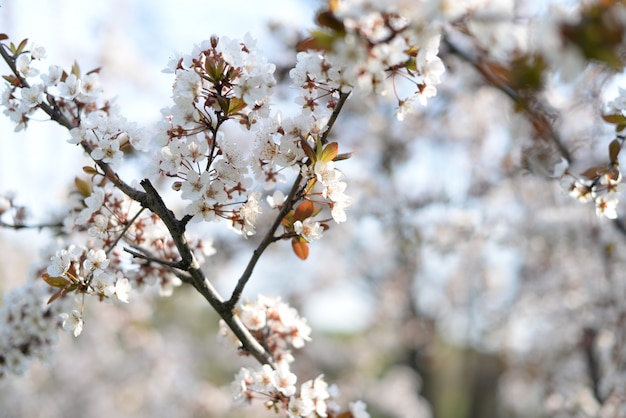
{"points": [[601, 185], [20, 103], [333, 189], [108, 133], [279, 328], [222, 79], [603, 190], [376, 50], [78, 98], [106, 214], [83, 270], [273, 322], [279, 145], [28, 328]]}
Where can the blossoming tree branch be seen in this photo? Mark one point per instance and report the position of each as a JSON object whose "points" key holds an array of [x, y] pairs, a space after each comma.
{"points": [[122, 235]]}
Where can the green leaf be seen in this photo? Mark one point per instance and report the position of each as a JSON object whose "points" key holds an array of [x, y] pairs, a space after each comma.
{"points": [[236, 104], [287, 221]]}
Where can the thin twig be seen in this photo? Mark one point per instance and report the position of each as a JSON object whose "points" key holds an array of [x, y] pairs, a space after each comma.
{"points": [[287, 206], [25, 226], [267, 240], [333, 117], [138, 254], [121, 235]]}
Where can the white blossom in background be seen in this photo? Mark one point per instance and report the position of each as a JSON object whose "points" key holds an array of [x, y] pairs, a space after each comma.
{"points": [[28, 327], [278, 327]]}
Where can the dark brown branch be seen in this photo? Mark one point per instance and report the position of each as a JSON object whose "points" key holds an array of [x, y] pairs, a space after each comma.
{"points": [[123, 233], [198, 279], [145, 256]]}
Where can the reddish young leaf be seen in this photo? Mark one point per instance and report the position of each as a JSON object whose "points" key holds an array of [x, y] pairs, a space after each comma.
{"points": [[56, 296], [304, 210], [3, 37], [300, 248]]}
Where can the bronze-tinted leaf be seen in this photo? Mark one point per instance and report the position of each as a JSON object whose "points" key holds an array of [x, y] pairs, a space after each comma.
{"points": [[614, 148], [304, 210], [308, 151], [57, 295], [55, 281], [300, 248], [593, 172], [90, 170], [20, 47], [327, 19], [614, 118], [13, 80], [83, 186]]}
